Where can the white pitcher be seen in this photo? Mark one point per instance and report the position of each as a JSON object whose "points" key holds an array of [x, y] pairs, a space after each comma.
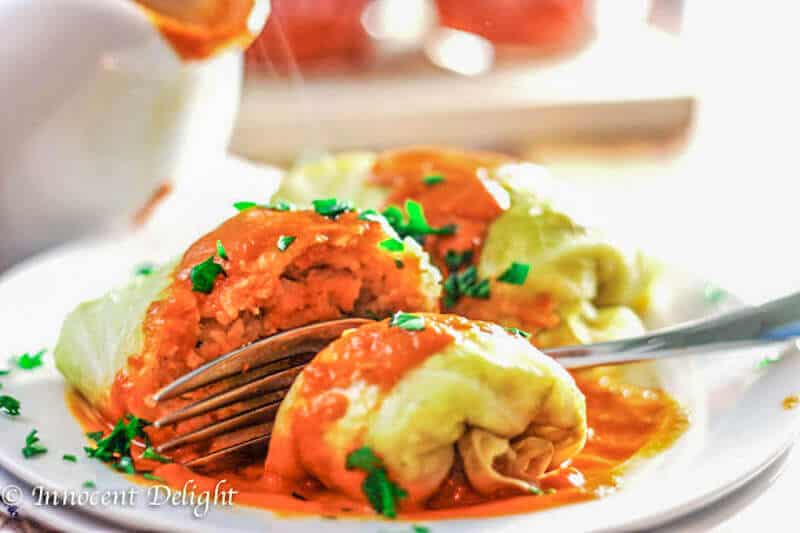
{"points": [[99, 107]]}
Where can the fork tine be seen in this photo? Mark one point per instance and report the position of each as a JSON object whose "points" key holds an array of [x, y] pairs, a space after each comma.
{"points": [[262, 415], [277, 384], [255, 437], [305, 339]]}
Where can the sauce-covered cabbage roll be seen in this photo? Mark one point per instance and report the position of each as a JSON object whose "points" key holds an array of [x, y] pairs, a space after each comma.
{"points": [[512, 256], [429, 394], [260, 272]]}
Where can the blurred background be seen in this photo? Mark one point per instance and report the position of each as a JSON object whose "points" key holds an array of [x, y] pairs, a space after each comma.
{"points": [[676, 118]]}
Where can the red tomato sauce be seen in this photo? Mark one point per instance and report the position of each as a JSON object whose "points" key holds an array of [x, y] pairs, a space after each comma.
{"points": [[625, 422]]}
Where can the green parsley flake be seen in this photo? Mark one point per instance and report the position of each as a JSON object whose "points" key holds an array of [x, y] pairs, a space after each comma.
{"points": [[115, 448], [151, 477], [89, 485], [203, 275], [5, 372], [32, 446], [221, 250], [280, 205], [381, 492], [714, 294], [285, 241], [9, 405], [465, 283], [516, 274], [764, 363], [331, 207], [432, 179], [69, 457], [399, 264], [392, 245], [150, 453], [455, 260], [517, 331], [244, 206], [27, 361], [363, 459], [125, 464], [420, 529], [145, 269], [407, 321], [413, 223], [95, 435]]}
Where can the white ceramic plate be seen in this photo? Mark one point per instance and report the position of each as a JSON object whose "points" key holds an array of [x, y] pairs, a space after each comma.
{"points": [[738, 424]]}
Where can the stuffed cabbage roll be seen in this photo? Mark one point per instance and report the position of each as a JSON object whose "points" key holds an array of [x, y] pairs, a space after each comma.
{"points": [[426, 393], [511, 256], [261, 272]]}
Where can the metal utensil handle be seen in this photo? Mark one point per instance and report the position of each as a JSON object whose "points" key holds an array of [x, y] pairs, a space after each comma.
{"points": [[773, 321]]}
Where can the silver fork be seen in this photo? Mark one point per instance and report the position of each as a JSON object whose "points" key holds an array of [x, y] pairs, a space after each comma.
{"points": [[256, 378], [250, 383]]}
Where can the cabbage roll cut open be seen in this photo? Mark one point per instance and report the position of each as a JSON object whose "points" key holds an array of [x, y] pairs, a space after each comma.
{"points": [[263, 271], [429, 396]]}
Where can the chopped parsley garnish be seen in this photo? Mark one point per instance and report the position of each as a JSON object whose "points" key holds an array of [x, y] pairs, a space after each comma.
{"points": [[221, 252], [203, 275], [714, 294], [399, 264], [331, 207], [145, 269], [125, 464], [9, 405], [432, 179], [27, 361], [465, 283], [69, 457], [413, 223], [392, 245], [116, 447], [32, 446], [151, 477], [89, 485], [407, 321], [516, 274], [150, 453], [517, 331], [285, 241], [5, 372], [764, 363], [381, 492], [371, 215], [244, 206], [280, 205], [420, 529], [363, 459], [455, 260]]}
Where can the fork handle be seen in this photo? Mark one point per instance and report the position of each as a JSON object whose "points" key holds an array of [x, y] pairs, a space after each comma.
{"points": [[774, 321]]}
